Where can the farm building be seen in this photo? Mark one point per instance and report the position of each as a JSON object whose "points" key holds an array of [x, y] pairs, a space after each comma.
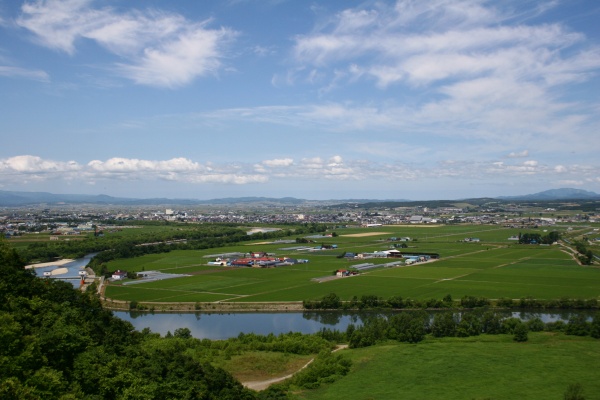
{"points": [[118, 275]]}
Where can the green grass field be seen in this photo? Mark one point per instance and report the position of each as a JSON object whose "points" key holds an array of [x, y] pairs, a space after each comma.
{"points": [[481, 367], [492, 268]]}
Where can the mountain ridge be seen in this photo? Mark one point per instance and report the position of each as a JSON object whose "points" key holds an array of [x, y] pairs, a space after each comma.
{"points": [[19, 198], [556, 194]]}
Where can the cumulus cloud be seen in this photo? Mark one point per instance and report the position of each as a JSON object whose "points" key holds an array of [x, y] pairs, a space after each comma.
{"points": [[34, 164], [155, 48], [278, 162], [560, 169], [29, 168]]}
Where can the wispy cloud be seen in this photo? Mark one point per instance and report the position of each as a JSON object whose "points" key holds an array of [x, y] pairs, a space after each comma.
{"points": [[17, 72], [475, 71], [425, 43], [154, 48]]}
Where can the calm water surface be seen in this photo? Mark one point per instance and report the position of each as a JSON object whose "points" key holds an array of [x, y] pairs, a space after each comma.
{"points": [[224, 326]]}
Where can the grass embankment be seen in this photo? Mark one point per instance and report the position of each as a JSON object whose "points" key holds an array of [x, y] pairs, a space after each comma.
{"points": [[259, 366], [482, 367]]}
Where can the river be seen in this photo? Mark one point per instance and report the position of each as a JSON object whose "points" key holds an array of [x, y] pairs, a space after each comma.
{"points": [[223, 326], [73, 268]]}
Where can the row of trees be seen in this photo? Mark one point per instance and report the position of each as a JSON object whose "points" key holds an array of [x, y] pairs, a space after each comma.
{"points": [[586, 256], [536, 238], [332, 301], [414, 326]]}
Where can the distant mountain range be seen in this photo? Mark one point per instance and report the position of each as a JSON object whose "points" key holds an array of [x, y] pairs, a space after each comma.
{"points": [[556, 194], [17, 199]]}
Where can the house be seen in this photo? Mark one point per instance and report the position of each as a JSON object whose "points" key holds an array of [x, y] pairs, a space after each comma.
{"points": [[393, 254], [119, 275], [258, 254], [242, 262], [342, 272]]}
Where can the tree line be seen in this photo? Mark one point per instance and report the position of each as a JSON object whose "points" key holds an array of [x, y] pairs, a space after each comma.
{"points": [[414, 326], [332, 301]]}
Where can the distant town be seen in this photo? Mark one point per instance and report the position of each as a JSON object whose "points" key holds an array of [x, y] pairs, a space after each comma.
{"points": [[63, 221]]}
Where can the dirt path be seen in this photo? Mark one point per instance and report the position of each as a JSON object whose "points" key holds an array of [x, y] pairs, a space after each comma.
{"points": [[262, 385]]}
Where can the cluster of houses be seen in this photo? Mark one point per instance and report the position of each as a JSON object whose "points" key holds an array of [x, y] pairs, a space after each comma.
{"points": [[257, 259]]}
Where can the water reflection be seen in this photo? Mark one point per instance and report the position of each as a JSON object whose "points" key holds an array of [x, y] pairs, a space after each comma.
{"points": [[227, 325], [223, 326]]}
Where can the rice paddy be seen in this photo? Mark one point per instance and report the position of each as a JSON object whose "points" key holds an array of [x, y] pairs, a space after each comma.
{"points": [[492, 267]]}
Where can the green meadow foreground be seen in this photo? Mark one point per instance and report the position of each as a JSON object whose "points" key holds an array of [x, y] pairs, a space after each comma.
{"points": [[494, 268], [481, 367]]}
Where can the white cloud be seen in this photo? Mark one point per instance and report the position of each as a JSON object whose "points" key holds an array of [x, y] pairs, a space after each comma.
{"points": [[477, 71], [560, 169], [278, 162], [33, 164], [16, 72], [28, 168], [135, 165], [519, 154], [156, 48]]}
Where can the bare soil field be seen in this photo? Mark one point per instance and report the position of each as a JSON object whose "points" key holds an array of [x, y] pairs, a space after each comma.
{"points": [[366, 234], [417, 226]]}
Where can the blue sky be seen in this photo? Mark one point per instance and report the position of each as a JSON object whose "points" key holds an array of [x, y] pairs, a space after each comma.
{"points": [[406, 99]]}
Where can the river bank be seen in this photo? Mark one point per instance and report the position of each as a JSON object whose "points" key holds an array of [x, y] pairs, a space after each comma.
{"points": [[56, 263], [169, 307]]}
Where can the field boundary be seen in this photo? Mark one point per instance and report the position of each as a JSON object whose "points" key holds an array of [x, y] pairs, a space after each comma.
{"points": [[122, 305]]}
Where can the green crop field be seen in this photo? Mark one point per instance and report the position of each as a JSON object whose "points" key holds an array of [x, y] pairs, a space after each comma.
{"points": [[494, 267], [481, 367]]}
